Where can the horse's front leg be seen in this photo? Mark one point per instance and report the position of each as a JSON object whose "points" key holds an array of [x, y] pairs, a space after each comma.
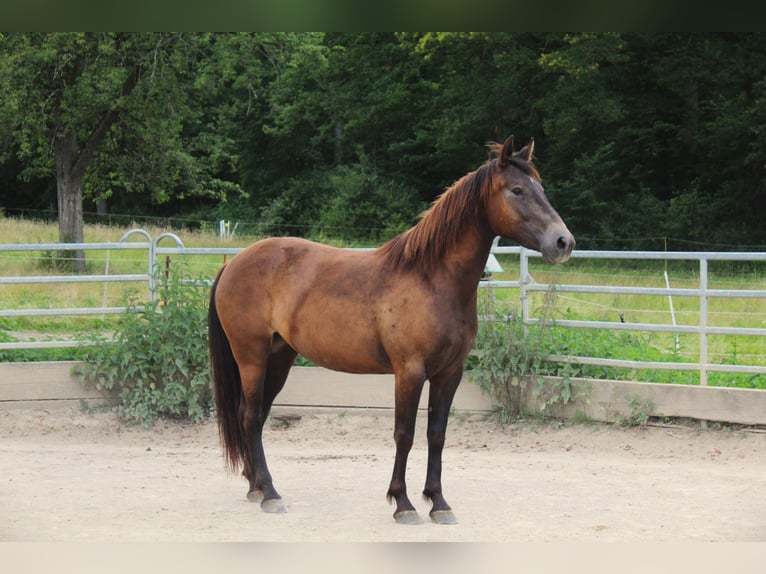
{"points": [[407, 396], [441, 393]]}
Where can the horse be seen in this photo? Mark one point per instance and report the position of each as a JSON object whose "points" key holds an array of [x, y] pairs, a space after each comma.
{"points": [[407, 308]]}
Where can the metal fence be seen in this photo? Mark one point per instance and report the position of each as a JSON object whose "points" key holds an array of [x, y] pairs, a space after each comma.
{"points": [[149, 246], [702, 293], [524, 288]]}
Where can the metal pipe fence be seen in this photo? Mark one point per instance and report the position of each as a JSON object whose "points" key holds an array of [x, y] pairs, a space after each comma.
{"points": [[523, 288], [703, 293]]}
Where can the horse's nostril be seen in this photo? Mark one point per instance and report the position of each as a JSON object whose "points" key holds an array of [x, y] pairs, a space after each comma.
{"points": [[565, 243]]}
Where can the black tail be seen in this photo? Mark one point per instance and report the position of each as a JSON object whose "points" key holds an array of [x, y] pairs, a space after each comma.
{"points": [[227, 385]]}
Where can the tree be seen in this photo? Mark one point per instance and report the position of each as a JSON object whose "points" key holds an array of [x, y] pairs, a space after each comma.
{"points": [[64, 96], [414, 110], [640, 136], [333, 117]]}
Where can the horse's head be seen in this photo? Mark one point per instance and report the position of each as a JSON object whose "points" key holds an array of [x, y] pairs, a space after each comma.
{"points": [[518, 208]]}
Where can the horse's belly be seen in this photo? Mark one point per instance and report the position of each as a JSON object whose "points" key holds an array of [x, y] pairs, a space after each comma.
{"points": [[343, 351], [336, 338]]}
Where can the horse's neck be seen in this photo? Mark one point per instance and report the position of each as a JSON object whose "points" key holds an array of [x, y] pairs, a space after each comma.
{"points": [[466, 261]]}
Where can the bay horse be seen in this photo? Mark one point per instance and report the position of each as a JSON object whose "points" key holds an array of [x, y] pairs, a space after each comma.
{"points": [[407, 308]]}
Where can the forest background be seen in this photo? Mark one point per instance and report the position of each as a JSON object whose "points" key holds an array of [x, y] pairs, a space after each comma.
{"points": [[644, 141]]}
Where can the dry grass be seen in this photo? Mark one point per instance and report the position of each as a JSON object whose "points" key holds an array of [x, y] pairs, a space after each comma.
{"points": [[79, 295], [641, 309]]}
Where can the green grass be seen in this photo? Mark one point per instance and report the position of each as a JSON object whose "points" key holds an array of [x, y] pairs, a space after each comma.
{"points": [[648, 346], [588, 342]]}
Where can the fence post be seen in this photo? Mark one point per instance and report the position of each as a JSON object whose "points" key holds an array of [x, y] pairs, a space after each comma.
{"points": [[152, 262], [703, 320], [523, 293], [672, 309], [151, 256]]}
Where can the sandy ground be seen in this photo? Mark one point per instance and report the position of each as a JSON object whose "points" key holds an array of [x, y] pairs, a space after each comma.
{"points": [[72, 476]]}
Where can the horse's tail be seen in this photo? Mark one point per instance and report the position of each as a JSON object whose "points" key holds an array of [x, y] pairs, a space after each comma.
{"points": [[227, 385]]}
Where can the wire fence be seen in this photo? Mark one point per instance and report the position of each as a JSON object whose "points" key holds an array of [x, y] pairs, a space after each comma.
{"points": [[699, 310], [656, 242]]}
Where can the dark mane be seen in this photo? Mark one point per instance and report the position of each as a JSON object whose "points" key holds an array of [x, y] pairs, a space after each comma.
{"points": [[440, 226]]}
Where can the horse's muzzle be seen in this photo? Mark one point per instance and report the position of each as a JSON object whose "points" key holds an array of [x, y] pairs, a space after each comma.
{"points": [[559, 247]]}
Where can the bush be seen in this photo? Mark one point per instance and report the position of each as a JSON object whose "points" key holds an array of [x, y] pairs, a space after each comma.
{"points": [[157, 360], [506, 361], [509, 357]]}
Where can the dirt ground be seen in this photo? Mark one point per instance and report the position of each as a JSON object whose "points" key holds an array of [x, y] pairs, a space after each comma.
{"points": [[72, 476]]}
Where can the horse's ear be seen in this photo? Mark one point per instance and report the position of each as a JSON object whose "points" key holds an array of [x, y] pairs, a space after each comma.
{"points": [[507, 153], [526, 152]]}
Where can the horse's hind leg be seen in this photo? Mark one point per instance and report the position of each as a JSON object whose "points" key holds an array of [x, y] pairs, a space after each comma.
{"points": [[442, 391], [261, 383], [281, 359]]}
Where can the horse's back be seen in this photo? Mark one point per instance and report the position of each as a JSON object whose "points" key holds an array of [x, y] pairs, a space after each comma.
{"points": [[317, 297]]}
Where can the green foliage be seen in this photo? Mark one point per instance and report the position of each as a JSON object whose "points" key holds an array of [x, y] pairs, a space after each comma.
{"points": [[351, 203], [631, 346], [157, 360], [511, 356], [638, 137], [364, 206], [639, 411], [505, 362], [62, 261], [34, 355]]}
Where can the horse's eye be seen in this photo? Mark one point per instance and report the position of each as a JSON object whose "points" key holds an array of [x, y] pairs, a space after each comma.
{"points": [[517, 191]]}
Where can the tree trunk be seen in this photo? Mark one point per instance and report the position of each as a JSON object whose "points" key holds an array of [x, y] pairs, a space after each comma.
{"points": [[69, 181], [71, 163]]}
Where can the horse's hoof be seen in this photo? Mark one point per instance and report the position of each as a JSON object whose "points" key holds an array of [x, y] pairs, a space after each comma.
{"points": [[255, 496], [273, 506], [443, 517], [409, 517]]}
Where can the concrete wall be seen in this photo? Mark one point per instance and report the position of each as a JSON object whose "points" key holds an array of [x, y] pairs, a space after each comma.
{"points": [[45, 385], [51, 384], [616, 400]]}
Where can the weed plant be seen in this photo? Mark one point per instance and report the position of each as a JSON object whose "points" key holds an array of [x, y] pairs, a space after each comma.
{"points": [[157, 360], [511, 355]]}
